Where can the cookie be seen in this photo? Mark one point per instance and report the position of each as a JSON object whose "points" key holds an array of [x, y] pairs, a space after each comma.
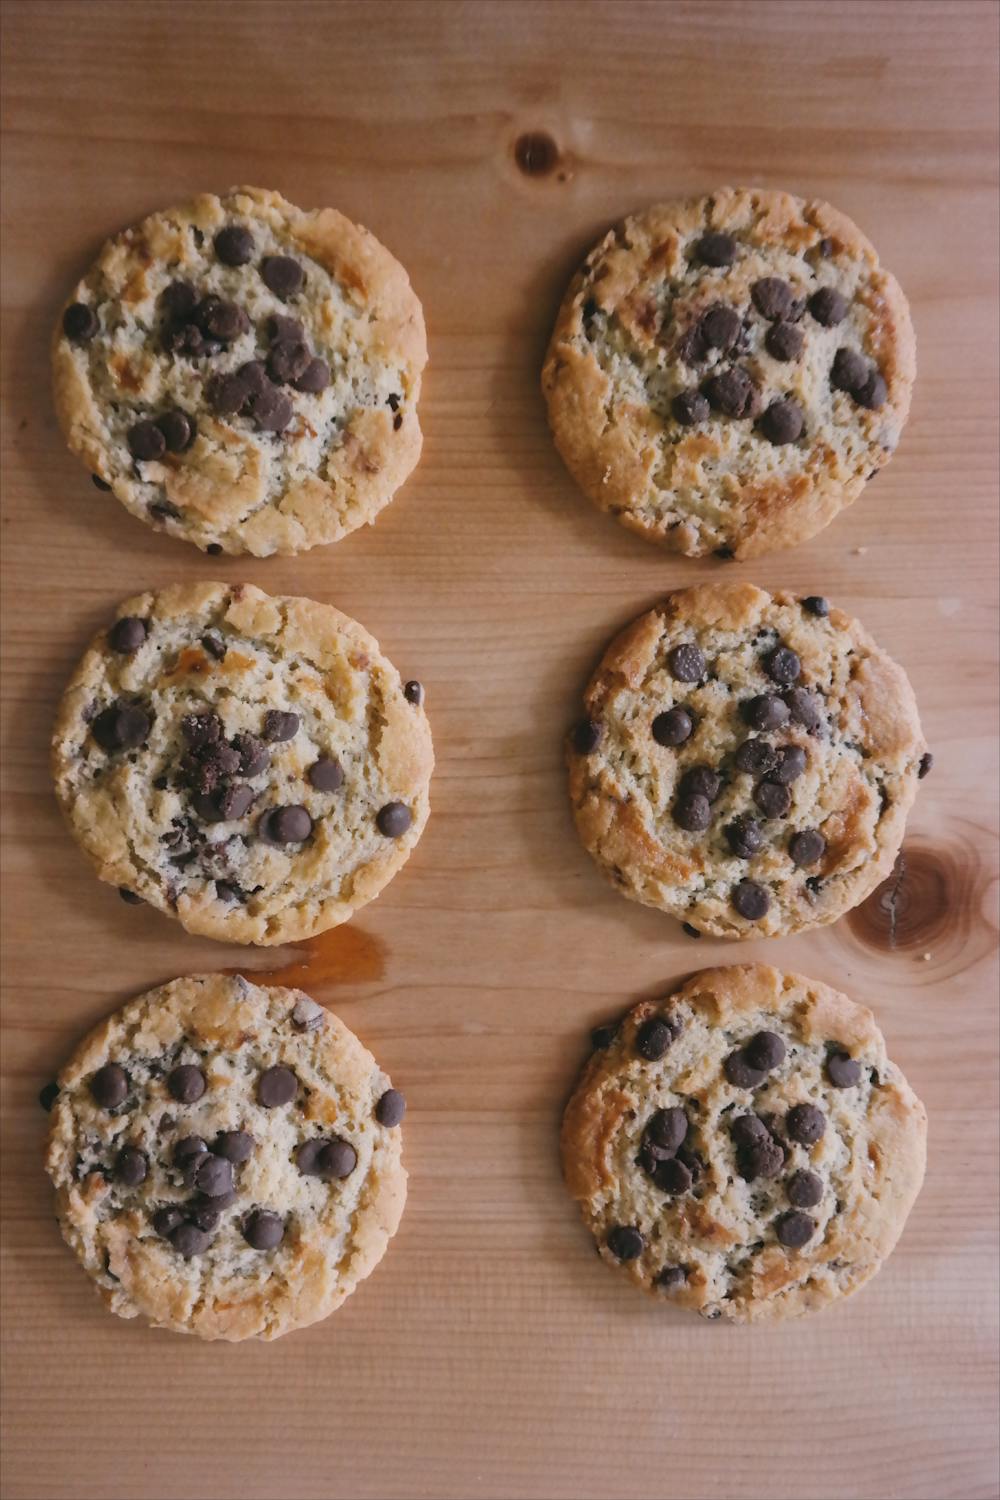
{"points": [[251, 765], [744, 1147], [727, 372], [746, 761], [226, 1159], [244, 374]]}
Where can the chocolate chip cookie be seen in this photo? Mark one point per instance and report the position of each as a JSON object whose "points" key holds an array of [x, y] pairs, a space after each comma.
{"points": [[744, 1147], [226, 1159], [746, 761], [251, 765], [726, 372], [244, 374]]}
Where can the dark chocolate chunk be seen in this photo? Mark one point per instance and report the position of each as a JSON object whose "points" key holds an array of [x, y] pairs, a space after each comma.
{"points": [[123, 726], [188, 1240], [234, 245], [48, 1096], [843, 1070], [326, 774], [188, 1147], [393, 819], [750, 900], [210, 1174], [805, 1123], [828, 307], [146, 442], [672, 1176], [625, 1243], [763, 1158], [700, 781], [131, 1167], [744, 837], [783, 421], [686, 662], [671, 1277], [748, 1130], [789, 766], [165, 1220], [765, 1050], [926, 765], [285, 825], [127, 634], [413, 692], [772, 297], [784, 341], [739, 1072], [336, 1159], [316, 377], [672, 727], [757, 757], [766, 711], [253, 754], [815, 604], [715, 249], [109, 1086], [263, 1230], [270, 409], [733, 393], [873, 393], [276, 1086], [131, 898], [654, 1037], [287, 360], [849, 370], [794, 1229], [665, 1131], [805, 707], [806, 847], [279, 726], [692, 813], [186, 1083], [586, 736], [235, 1145], [80, 323], [390, 1109], [804, 1189], [179, 301], [773, 800], [690, 408], [719, 327], [178, 430], [282, 275]]}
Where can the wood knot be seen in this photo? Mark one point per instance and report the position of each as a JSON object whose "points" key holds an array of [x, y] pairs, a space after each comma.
{"points": [[925, 894], [536, 153]]}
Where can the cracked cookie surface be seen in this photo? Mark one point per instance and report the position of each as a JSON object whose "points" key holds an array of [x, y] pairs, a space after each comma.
{"points": [[746, 761], [226, 1159], [244, 374], [250, 764], [744, 1147], [726, 372]]}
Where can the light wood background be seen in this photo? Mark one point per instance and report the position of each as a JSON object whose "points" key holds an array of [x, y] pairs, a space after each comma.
{"points": [[491, 1355]]}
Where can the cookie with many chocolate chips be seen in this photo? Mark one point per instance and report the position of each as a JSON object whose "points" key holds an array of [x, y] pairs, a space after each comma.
{"points": [[248, 764], [726, 372], [244, 374], [227, 1208], [737, 1173], [749, 762]]}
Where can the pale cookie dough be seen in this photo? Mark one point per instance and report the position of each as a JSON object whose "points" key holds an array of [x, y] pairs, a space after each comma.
{"points": [[226, 1159], [727, 372], [251, 765], [744, 1147], [244, 374], [746, 762]]}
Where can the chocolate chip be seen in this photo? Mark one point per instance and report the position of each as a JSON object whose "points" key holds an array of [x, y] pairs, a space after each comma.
{"points": [[794, 1229], [287, 360], [393, 819], [127, 634], [665, 1131], [235, 1145], [271, 409], [849, 370], [672, 1176], [123, 726], [767, 711], [336, 1159], [736, 1067], [226, 805], [109, 1086], [689, 931], [279, 726], [602, 1036], [390, 1109], [804, 1189], [773, 800], [804, 707], [285, 825], [131, 898], [586, 736], [750, 900], [625, 1243], [146, 442], [210, 1174], [282, 275], [227, 394], [782, 665], [234, 245], [756, 757], [726, 553], [654, 1038], [733, 393], [280, 326], [306, 1156], [206, 1215], [186, 1149], [828, 307], [186, 1083], [772, 297], [791, 764], [253, 375], [701, 781], [672, 727], [748, 1130], [221, 320], [99, 483], [179, 301], [189, 1240], [783, 421], [692, 813], [926, 765], [815, 604], [805, 1123], [80, 323], [686, 662], [873, 393], [744, 837], [765, 1050], [263, 1230], [413, 692], [690, 408], [671, 1277], [326, 774], [48, 1096], [397, 421], [844, 1072], [825, 247], [316, 377], [166, 1220], [716, 249], [306, 1014], [253, 754], [784, 341], [214, 645], [276, 1086], [763, 1158], [806, 847], [178, 430], [719, 327], [229, 891], [131, 1167]]}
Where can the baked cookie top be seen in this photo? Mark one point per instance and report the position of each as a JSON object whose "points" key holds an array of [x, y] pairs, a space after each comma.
{"points": [[226, 1159], [251, 765], [726, 372], [243, 374], [744, 1147], [746, 761]]}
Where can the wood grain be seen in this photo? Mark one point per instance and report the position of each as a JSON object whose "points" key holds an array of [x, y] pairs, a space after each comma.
{"points": [[491, 1355]]}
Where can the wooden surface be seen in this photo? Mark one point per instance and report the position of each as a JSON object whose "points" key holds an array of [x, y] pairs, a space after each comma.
{"points": [[491, 1354]]}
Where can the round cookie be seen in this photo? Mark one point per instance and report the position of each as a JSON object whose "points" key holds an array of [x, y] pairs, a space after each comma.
{"points": [[726, 372], [251, 765], [243, 374], [744, 1147], [226, 1159], [746, 761]]}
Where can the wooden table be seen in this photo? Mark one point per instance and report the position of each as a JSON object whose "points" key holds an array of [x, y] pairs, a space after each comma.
{"points": [[491, 1354]]}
